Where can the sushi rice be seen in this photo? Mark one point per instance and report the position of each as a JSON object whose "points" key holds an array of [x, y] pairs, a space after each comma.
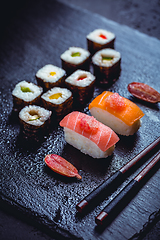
{"points": [[28, 113], [32, 91], [50, 73], [67, 55], [73, 79], [95, 36], [115, 123], [64, 94], [85, 145], [107, 52]]}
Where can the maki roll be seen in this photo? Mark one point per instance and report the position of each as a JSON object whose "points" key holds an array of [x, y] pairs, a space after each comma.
{"points": [[88, 135], [99, 39], [106, 65], [81, 83], [75, 58], [34, 121], [26, 93], [119, 113], [50, 76], [59, 100]]}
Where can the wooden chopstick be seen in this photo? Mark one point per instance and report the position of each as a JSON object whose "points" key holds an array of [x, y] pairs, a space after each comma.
{"points": [[115, 180], [126, 192]]}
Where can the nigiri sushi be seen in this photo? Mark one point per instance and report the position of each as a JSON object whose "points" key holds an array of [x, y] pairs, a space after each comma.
{"points": [[88, 135], [119, 113]]}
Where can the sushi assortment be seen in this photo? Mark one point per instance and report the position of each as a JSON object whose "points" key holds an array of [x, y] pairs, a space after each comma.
{"points": [[60, 90], [99, 39], [88, 135], [117, 112], [81, 83], [75, 58]]}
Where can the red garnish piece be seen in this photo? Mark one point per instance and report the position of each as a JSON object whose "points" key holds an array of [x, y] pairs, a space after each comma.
{"points": [[61, 166], [103, 36], [115, 102], [89, 124], [144, 92], [81, 78]]}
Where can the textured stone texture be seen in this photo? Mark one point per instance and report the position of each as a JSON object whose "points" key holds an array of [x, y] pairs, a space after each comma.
{"points": [[25, 48]]}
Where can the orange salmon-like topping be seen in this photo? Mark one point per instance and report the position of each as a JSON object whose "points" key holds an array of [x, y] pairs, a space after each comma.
{"points": [[89, 124], [115, 102], [120, 107]]}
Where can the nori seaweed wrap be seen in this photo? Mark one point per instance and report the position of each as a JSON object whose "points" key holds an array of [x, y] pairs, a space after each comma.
{"points": [[75, 58], [81, 83], [106, 65], [26, 93], [59, 100], [50, 76], [35, 121], [99, 39]]}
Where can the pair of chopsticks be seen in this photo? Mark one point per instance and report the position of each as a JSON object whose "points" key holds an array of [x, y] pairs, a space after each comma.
{"points": [[115, 180]]}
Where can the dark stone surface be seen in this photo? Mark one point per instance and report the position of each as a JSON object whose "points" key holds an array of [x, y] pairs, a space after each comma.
{"points": [[37, 194], [142, 15]]}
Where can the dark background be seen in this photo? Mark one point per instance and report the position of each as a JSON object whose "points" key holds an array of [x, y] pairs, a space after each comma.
{"points": [[141, 15]]}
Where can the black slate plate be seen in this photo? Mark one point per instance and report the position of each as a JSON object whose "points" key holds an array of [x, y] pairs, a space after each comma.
{"points": [[37, 36]]}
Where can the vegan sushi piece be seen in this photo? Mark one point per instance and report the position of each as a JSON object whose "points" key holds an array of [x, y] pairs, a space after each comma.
{"points": [[75, 58], [99, 39], [107, 65], [88, 135], [50, 76], [34, 120], [81, 83], [59, 100], [119, 113], [26, 93]]}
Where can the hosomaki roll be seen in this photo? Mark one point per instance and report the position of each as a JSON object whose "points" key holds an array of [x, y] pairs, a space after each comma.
{"points": [[50, 76], [88, 135], [34, 121], [119, 113], [81, 83], [75, 58], [58, 100], [99, 39], [26, 93], [106, 65]]}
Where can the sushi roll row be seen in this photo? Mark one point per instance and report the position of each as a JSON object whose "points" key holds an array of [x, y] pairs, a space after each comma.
{"points": [[58, 100], [101, 54]]}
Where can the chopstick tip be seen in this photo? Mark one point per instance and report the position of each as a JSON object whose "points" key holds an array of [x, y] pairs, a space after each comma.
{"points": [[81, 205], [101, 218]]}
